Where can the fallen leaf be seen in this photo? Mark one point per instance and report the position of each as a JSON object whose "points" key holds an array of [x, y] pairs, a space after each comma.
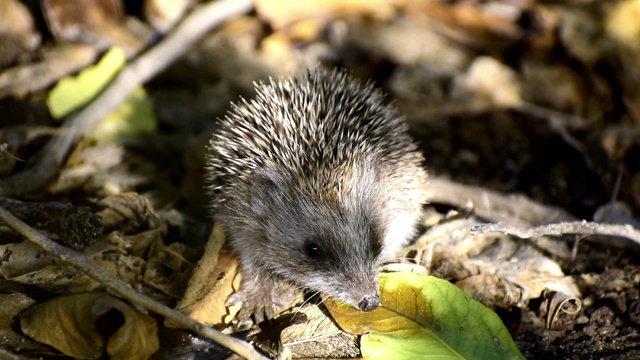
{"points": [[282, 12], [73, 92], [163, 14], [493, 82], [422, 315], [101, 23], [133, 118], [17, 33], [89, 325], [10, 338], [20, 80], [213, 280]]}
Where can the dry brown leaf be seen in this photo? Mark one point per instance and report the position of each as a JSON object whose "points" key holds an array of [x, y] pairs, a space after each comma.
{"points": [[61, 279], [76, 320], [553, 85], [497, 271], [213, 280], [163, 14], [27, 263], [12, 304], [280, 13], [306, 332], [137, 244], [211, 309], [22, 258], [61, 61], [471, 24], [621, 23], [129, 213], [17, 33], [278, 45], [169, 267], [492, 82], [97, 22], [103, 169]]}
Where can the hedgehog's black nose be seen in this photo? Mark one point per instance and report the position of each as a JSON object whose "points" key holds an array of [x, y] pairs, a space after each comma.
{"points": [[369, 302]]}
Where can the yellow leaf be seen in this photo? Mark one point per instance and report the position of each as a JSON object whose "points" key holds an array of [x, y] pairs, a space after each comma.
{"points": [[72, 92], [422, 317]]}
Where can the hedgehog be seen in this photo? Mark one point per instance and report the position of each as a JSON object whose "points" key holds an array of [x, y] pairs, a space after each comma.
{"points": [[316, 181]]}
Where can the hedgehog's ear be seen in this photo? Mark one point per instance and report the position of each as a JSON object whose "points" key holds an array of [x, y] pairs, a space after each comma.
{"points": [[267, 186]]}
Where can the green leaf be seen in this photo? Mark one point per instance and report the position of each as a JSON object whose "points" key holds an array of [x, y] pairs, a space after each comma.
{"points": [[134, 117], [422, 317], [72, 92]]}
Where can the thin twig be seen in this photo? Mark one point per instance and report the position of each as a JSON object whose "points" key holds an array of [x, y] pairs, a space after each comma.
{"points": [[493, 206], [49, 159], [117, 286], [578, 227]]}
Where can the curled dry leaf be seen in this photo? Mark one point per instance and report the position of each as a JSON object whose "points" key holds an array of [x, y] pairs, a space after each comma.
{"points": [[97, 22], [471, 24], [560, 303], [282, 12], [27, 263], [105, 169], [22, 258], [129, 212], [61, 61], [213, 280], [169, 267], [492, 82], [496, 270], [90, 325], [12, 304], [163, 14], [425, 315], [17, 34], [318, 336]]}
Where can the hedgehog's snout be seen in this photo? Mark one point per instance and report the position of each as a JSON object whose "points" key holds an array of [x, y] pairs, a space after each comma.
{"points": [[369, 302], [362, 294]]}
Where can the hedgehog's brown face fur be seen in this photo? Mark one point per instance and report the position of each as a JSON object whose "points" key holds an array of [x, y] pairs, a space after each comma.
{"points": [[327, 240]]}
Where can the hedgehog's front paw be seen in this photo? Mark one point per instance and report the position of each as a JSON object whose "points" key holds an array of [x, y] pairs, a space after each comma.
{"points": [[261, 306], [258, 297]]}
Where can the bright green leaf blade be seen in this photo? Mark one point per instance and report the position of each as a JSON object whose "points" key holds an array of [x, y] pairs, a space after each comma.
{"points": [[72, 92], [422, 317], [134, 117], [394, 346], [454, 326]]}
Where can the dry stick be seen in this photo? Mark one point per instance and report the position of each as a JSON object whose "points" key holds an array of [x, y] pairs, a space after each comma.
{"points": [[202, 19], [578, 227], [491, 205], [117, 286]]}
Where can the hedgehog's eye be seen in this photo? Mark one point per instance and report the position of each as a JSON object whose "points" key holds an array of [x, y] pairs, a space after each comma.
{"points": [[313, 250]]}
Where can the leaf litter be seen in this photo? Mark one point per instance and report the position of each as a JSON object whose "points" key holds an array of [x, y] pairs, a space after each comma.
{"points": [[527, 113]]}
